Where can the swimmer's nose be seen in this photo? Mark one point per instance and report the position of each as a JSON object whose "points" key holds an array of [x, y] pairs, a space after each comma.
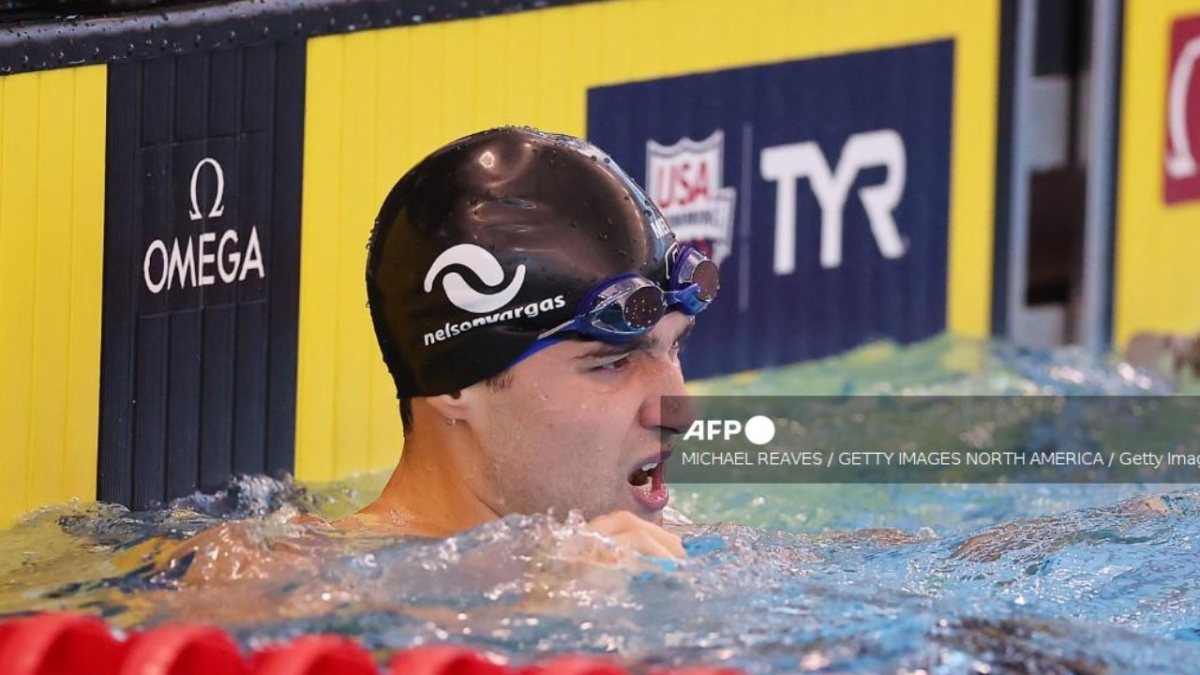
{"points": [[678, 413], [670, 408]]}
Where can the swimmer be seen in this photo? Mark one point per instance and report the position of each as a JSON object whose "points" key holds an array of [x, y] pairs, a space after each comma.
{"points": [[530, 302]]}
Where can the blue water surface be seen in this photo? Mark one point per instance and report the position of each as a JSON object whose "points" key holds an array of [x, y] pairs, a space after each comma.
{"points": [[779, 578]]}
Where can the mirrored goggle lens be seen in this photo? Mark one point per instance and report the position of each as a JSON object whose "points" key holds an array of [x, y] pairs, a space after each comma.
{"points": [[693, 267], [644, 307], [628, 306], [707, 278]]}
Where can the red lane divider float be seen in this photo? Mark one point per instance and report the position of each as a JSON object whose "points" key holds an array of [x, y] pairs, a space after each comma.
{"points": [[315, 655], [444, 660], [71, 644], [182, 650], [573, 665], [48, 644]]}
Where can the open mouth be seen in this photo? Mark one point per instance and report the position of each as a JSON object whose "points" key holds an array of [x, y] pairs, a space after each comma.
{"points": [[648, 485]]}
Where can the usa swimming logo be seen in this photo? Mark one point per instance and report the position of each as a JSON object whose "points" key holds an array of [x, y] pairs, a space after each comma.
{"points": [[487, 270], [685, 181]]}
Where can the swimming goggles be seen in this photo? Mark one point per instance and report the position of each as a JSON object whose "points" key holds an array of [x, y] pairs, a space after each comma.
{"points": [[628, 306]]}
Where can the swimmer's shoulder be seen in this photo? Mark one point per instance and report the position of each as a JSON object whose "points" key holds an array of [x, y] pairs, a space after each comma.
{"points": [[384, 522], [365, 523]]}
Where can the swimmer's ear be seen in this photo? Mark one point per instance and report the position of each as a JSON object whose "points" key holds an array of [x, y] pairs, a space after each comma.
{"points": [[455, 406]]}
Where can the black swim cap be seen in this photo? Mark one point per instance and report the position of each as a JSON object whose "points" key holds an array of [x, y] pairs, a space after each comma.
{"points": [[492, 240]]}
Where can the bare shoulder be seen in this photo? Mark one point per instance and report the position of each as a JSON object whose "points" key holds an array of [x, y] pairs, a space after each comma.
{"points": [[242, 549]]}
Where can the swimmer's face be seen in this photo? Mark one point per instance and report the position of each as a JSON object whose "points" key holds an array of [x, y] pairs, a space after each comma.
{"points": [[579, 421]]}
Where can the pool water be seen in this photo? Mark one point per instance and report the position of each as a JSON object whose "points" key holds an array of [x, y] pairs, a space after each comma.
{"points": [[779, 578]]}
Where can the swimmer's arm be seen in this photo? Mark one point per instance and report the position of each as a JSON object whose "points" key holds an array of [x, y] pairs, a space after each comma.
{"points": [[646, 538], [603, 558], [233, 550], [1050, 533]]}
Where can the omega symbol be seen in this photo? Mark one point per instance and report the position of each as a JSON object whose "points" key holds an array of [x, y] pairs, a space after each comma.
{"points": [[218, 206]]}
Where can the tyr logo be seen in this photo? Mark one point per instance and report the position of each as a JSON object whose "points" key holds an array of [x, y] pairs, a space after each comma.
{"points": [[785, 165]]}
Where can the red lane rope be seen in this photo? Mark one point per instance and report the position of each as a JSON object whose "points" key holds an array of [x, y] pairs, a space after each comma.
{"points": [[71, 644]]}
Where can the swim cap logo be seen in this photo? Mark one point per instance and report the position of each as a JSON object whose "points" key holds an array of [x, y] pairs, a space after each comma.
{"points": [[485, 267], [685, 181]]}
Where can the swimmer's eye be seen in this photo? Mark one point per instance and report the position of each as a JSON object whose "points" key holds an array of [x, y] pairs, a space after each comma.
{"points": [[614, 365]]}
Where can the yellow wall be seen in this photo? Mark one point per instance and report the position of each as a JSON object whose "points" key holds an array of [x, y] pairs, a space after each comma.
{"points": [[1157, 267], [378, 101], [52, 131]]}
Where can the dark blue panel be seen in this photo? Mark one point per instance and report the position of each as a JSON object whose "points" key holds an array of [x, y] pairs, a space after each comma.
{"points": [[183, 401], [259, 85], [149, 413], [217, 394], [250, 392], [873, 121], [201, 289], [114, 479], [191, 101], [284, 306], [225, 104], [158, 79]]}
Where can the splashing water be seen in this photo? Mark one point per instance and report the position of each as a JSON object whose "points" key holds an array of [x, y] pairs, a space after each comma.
{"points": [[783, 578]]}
